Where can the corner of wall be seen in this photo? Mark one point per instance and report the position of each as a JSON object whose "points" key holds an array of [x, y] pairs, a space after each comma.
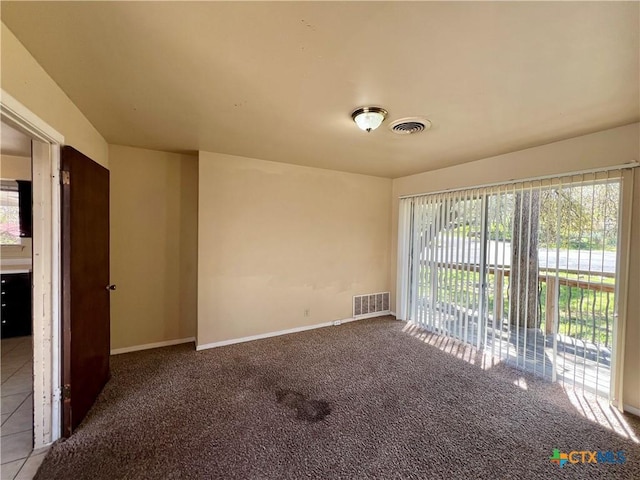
{"points": [[25, 80]]}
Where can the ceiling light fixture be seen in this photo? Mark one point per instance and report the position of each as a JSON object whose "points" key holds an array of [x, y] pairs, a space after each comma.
{"points": [[369, 118]]}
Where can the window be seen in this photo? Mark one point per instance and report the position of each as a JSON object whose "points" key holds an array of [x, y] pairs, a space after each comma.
{"points": [[9, 213], [15, 211]]}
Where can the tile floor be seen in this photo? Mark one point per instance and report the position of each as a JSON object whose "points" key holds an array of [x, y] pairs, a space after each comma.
{"points": [[19, 461]]}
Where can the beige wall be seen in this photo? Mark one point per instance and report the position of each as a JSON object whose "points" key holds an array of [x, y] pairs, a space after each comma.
{"points": [[25, 80], [9, 254], [607, 148], [154, 215], [15, 168], [277, 239]]}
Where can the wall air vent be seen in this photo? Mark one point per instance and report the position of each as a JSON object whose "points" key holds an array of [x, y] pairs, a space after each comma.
{"points": [[371, 305], [410, 125]]}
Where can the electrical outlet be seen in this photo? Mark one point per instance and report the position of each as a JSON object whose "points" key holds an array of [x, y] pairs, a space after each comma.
{"points": [[307, 312]]}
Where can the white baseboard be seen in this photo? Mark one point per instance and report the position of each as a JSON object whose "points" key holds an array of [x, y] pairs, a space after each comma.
{"points": [[630, 409], [369, 315], [251, 338], [148, 346]]}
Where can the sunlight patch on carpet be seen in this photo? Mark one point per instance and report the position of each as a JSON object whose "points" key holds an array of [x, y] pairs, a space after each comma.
{"points": [[457, 348], [599, 410], [592, 407]]}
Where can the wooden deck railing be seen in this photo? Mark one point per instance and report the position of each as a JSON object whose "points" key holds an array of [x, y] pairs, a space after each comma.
{"points": [[552, 307]]}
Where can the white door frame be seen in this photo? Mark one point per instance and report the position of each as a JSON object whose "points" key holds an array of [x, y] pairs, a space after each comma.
{"points": [[45, 159]]}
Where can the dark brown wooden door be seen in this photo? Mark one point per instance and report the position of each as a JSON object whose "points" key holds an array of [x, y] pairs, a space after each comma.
{"points": [[85, 281]]}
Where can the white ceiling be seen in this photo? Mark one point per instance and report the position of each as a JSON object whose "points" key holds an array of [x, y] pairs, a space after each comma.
{"points": [[13, 142], [278, 81]]}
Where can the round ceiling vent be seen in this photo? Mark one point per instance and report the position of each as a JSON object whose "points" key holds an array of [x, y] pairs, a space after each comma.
{"points": [[410, 125]]}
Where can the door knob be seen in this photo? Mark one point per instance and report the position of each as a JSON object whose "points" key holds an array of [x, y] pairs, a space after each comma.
{"points": [[111, 287]]}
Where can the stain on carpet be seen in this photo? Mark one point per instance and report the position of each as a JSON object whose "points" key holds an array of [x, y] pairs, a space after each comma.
{"points": [[306, 409]]}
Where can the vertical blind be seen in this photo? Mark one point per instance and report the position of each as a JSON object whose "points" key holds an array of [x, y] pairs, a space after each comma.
{"points": [[526, 271]]}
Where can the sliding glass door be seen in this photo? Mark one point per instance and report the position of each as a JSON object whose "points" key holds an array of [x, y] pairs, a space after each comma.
{"points": [[447, 250], [527, 272]]}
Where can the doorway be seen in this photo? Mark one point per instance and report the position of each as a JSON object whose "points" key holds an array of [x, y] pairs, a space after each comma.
{"points": [[45, 274], [16, 362]]}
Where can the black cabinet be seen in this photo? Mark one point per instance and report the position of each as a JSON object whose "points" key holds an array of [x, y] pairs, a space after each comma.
{"points": [[16, 304]]}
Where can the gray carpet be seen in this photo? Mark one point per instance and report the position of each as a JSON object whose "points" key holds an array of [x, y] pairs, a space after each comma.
{"points": [[363, 400]]}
